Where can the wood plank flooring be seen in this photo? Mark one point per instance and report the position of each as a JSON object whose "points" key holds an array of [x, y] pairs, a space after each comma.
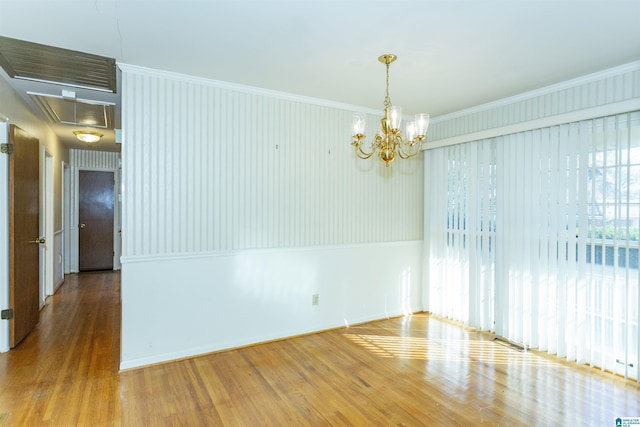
{"points": [[410, 371]]}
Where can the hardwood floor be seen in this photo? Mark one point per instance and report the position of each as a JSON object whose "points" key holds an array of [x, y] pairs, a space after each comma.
{"points": [[410, 371]]}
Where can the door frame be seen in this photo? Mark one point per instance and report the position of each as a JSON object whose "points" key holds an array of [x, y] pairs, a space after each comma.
{"points": [[4, 234], [116, 215], [46, 228], [66, 218]]}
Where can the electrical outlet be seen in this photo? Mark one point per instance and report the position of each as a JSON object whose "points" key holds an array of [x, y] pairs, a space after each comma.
{"points": [[315, 299]]}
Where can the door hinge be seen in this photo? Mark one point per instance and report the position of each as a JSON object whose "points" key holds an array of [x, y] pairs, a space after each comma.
{"points": [[6, 148], [6, 314]]}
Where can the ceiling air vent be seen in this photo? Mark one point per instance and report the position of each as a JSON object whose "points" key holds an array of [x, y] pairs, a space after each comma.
{"points": [[75, 112], [37, 62]]}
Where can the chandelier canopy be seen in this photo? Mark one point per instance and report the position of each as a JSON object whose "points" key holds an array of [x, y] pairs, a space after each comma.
{"points": [[389, 141]]}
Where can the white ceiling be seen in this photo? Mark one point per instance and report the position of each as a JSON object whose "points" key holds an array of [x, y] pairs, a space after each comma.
{"points": [[451, 54]]}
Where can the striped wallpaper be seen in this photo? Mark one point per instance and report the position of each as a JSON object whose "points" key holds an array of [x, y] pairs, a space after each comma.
{"points": [[90, 159], [610, 86], [208, 166]]}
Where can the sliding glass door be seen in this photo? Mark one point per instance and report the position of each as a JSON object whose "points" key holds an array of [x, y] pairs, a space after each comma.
{"points": [[534, 236]]}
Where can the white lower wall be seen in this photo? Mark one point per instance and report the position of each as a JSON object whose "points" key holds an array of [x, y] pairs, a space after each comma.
{"points": [[182, 306]]}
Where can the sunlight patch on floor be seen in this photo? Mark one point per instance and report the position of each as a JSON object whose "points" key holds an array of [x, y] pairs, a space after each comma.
{"points": [[450, 350]]}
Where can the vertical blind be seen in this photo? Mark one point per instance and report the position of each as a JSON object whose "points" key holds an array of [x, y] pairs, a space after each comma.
{"points": [[534, 236]]}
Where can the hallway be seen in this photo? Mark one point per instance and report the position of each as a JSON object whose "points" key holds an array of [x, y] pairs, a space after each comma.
{"points": [[64, 372]]}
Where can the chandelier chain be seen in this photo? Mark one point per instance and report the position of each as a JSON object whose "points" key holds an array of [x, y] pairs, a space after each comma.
{"points": [[387, 100]]}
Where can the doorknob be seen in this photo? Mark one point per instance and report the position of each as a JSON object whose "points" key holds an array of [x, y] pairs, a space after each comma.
{"points": [[38, 240], [83, 225]]}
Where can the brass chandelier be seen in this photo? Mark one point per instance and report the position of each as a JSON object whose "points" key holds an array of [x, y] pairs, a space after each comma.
{"points": [[389, 141]]}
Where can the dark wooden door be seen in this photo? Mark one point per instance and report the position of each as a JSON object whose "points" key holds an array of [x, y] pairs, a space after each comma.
{"points": [[95, 200], [24, 242]]}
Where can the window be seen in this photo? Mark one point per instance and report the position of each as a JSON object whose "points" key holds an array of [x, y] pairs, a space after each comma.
{"points": [[536, 238]]}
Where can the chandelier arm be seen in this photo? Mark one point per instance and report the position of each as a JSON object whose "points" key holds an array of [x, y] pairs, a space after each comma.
{"points": [[357, 142], [406, 155], [363, 155], [382, 145], [398, 141]]}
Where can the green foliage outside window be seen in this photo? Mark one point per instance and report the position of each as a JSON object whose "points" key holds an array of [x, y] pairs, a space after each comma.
{"points": [[612, 233]]}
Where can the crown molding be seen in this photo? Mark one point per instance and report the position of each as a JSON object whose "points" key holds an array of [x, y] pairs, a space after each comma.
{"points": [[186, 78], [589, 78], [560, 119]]}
